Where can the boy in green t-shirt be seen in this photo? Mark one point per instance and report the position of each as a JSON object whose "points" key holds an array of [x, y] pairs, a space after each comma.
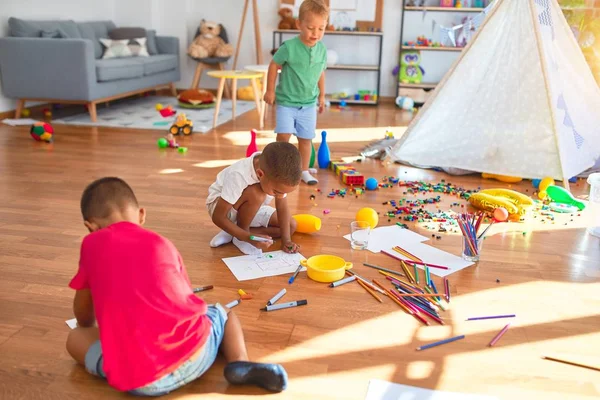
{"points": [[303, 60]]}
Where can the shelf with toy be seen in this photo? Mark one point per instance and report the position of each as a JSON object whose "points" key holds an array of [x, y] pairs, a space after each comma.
{"points": [[354, 67], [423, 85], [432, 48], [350, 101], [448, 9], [355, 33]]}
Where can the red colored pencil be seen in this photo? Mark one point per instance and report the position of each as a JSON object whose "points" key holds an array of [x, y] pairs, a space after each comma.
{"points": [[447, 289]]}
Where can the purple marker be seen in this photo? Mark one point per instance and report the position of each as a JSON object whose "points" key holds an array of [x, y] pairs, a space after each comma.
{"points": [[492, 317]]}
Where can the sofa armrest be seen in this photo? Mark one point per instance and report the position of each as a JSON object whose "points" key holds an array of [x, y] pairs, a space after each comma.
{"points": [[167, 45], [39, 68]]}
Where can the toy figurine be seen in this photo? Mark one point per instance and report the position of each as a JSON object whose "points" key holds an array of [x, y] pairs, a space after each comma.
{"points": [[171, 140], [410, 70]]}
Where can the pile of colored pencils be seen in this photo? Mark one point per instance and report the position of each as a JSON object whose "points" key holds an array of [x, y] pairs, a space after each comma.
{"points": [[469, 225]]}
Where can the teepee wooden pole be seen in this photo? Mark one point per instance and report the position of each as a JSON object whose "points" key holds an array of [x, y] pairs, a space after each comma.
{"points": [[257, 36], [240, 33], [538, 42]]}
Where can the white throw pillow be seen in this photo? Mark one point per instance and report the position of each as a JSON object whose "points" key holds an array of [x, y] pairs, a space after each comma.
{"points": [[124, 48]]}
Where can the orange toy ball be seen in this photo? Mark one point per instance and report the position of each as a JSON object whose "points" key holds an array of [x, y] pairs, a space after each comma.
{"points": [[500, 214]]}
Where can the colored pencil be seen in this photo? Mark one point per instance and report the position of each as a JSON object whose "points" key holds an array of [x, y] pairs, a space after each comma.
{"points": [[408, 273], [429, 313], [499, 335], [441, 342], [432, 285], [416, 273], [366, 282], [427, 276], [401, 250], [407, 307], [428, 264], [447, 289], [203, 288], [491, 317], [372, 293], [383, 269], [577, 364], [398, 281], [419, 295]]}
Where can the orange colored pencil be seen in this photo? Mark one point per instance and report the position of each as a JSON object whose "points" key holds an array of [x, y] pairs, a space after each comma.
{"points": [[372, 293], [412, 256]]}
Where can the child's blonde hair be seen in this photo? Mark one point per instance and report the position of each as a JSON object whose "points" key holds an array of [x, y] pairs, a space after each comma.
{"points": [[316, 7]]}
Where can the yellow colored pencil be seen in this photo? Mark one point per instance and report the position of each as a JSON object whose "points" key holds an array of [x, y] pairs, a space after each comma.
{"points": [[408, 273]]}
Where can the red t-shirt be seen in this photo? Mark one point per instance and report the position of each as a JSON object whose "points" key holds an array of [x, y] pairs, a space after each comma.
{"points": [[150, 320]]}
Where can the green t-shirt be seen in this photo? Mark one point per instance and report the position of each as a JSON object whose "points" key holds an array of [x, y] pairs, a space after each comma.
{"points": [[301, 68]]}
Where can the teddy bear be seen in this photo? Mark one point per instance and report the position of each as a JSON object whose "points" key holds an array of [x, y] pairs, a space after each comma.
{"points": [[287, 19], [208, 43]]}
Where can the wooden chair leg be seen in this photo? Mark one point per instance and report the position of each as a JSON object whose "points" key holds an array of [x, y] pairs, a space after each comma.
{"points": [[197, 76], [92, 111], [221, 67], [173, 89], [218, 105], [19, 108], [233, 96], [258, 102]]}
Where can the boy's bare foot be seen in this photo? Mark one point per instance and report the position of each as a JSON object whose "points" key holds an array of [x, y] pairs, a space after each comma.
{"points": [[308, 178], [246, 247], [220, 239], [268, 376]]}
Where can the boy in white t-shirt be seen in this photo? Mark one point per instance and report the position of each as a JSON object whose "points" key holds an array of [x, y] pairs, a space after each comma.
{"points": [[238, 200]]}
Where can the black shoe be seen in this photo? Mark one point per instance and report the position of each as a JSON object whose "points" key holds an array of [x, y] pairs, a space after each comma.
{"points": [[268, 376]]}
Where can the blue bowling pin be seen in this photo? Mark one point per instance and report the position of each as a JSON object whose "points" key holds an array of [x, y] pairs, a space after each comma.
{"points": [[324, 157]]}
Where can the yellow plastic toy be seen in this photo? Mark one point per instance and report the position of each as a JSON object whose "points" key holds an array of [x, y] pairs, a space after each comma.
{"points": [[326, 268], [517, 204], [502, 178], [369, 215], [307, 223], [547, 181], [247, 93], [182, 125]]}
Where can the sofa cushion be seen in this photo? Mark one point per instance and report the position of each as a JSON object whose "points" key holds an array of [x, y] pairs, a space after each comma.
{"points": [[126, 33], [158, 63], [54, 34], [124, 48], [22, 28], [118, 68], [94, 30], [152, 47]]}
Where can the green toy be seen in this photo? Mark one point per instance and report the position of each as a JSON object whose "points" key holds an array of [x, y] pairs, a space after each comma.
{"points": [[562, 196], [410, 70], [162, 143], [311, 164]]}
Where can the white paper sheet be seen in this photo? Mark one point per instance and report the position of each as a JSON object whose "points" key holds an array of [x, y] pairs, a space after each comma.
{"points": [[72, 323], [430, 254], [366, 10], [382, 390], [272, 263], [19, 121], [386, 237]]}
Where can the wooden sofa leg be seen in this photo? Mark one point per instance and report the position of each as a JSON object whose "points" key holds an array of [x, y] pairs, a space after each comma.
{"points": [[92, 111], [20, 107], [173, 89]]}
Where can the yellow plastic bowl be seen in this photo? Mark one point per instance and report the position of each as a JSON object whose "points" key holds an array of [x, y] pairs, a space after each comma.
{"points": [[325, 268]]}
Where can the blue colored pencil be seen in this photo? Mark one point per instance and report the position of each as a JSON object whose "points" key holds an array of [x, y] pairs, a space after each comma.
{"points": [[441, 342], [491, 317], [434, 289]]}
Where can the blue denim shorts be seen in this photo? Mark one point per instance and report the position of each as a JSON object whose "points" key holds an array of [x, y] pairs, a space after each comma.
{"points": [[186, 373], [301, 121]]}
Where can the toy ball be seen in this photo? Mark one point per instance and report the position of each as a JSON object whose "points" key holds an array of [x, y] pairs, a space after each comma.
{"points": [[371, 184], [405, 103], [332, 57], [42, 131], [158, 106], [163, 143], [536, 183], [26, 113], [368, 215], [500, 214]]}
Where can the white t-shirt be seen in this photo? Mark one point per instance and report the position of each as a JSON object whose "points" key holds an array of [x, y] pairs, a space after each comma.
{"points": [[233, 180]]}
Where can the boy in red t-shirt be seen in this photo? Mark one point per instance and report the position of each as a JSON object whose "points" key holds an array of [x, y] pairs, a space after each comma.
{"points": [[154, 334]]}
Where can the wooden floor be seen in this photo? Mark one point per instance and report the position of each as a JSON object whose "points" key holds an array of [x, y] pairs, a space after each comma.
{"points": [[343, 338]]}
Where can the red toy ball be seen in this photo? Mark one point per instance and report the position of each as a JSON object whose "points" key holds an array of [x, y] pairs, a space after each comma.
{"points": [[42, 131]]}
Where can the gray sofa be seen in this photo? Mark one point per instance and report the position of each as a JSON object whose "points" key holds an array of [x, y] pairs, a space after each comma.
{"points": [[60, 62]]}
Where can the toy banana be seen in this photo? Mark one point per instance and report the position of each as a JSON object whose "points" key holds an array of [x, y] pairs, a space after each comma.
{"points": [[519, 199], [488, 202], [502, 178]]}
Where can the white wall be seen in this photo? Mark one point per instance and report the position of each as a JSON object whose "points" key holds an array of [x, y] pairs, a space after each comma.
{"points": [[78, 10], [181, 18]]}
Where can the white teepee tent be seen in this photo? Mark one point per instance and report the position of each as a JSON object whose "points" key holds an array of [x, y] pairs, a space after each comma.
{"points": [[520, 101]]}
